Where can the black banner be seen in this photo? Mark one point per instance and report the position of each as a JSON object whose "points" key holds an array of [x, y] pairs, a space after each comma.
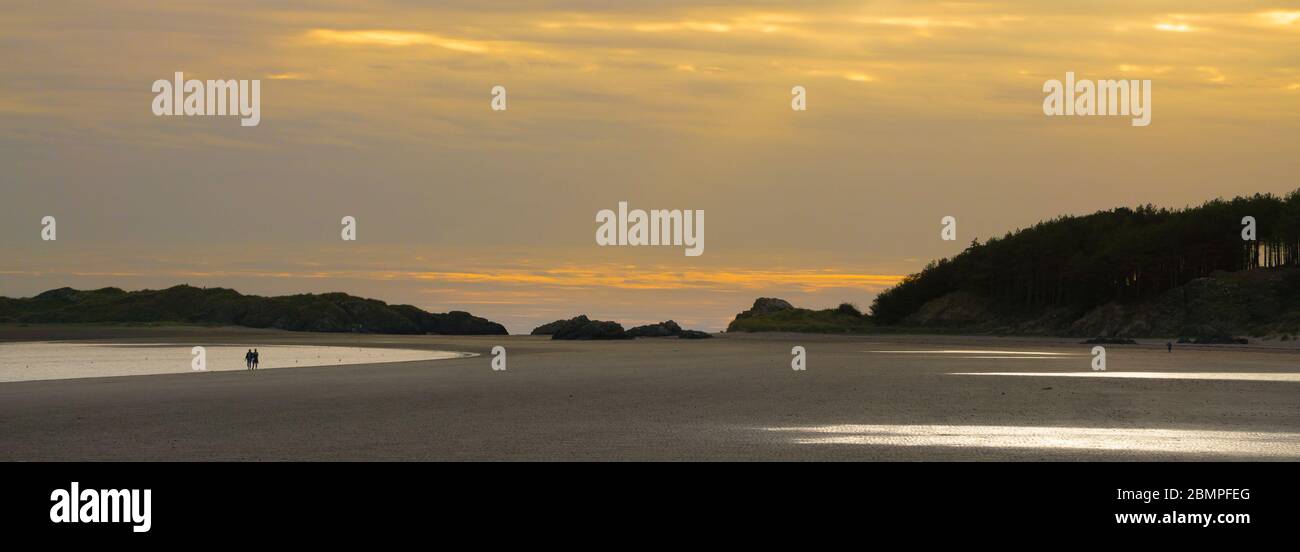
{"points": [[312, 502]]}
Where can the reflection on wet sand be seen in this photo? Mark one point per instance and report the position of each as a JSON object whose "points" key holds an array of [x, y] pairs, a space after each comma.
{"points": [[1220, 376], [1235, 443], [1028, 354], [25, 361]]}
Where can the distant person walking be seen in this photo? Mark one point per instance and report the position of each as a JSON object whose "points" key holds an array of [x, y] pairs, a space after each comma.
{"points": [[248, 359], [255, 359], [1169, 345]]}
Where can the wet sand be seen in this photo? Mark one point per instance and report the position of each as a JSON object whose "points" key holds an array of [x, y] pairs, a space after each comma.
{"points": [[46, 360], [730, 398]]}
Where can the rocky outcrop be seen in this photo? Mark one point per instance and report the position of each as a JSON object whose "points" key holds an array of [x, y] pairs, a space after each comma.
{"points": [[662, 329], [776, 315], [551, 328], [450, 323], [581, 327], [764, 306]]}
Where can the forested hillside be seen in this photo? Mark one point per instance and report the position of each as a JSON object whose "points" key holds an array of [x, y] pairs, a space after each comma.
{"points": [[1069, 266]]}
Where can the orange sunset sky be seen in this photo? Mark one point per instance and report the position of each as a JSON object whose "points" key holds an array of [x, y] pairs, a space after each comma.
{"points": [[380, 110]]}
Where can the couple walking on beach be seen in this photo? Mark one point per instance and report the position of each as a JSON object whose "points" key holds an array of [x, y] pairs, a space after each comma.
{"points": [[250, 359]]}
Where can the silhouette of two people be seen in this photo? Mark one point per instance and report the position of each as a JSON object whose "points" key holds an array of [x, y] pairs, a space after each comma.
{"points": [[250, 359]]}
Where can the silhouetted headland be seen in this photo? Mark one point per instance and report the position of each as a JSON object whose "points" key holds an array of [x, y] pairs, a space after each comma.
{"points": [[1228, 267], [328, 312]]}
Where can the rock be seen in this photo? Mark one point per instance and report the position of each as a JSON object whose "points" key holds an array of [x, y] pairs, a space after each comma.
{"points": [[662, 329], [460, 323], [667, 329], [765, 305], [583, 328], [551, 328]]}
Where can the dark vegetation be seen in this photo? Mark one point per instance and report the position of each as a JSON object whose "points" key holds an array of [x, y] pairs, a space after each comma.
{"points": [[328, 312], [1122, 255], [1113, 274]]}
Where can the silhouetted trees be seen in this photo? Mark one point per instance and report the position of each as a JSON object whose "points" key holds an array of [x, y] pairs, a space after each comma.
{"points": [[1122, 254]]}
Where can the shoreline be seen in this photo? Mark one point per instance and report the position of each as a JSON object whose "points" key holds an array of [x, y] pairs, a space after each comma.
{"points": [[27, 332], [82, 359], [663, 399]]}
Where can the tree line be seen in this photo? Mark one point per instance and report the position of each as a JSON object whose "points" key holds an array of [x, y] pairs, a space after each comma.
{"points": [[1122, 254]]}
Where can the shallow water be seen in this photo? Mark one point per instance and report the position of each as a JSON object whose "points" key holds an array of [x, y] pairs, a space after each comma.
{"points": [[66, 360], [1219, 376], [1233, 443]]}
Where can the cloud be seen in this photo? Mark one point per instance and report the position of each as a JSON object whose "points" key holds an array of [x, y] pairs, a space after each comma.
{"points": [[1281, 17], [1173, 27], [394, 38], [381, 110]]}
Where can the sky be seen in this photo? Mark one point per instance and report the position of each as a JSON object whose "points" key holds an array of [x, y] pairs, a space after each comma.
{"points": [[380, 110]]}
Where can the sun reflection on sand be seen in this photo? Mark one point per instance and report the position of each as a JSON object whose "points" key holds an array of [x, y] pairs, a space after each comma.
{"points": [[1236, 443], [28, 361], [1221, 376], [1025, 354]]}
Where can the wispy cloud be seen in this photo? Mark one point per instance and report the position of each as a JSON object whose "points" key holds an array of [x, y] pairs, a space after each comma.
{"points": [[917, 110], [394, 38]]}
